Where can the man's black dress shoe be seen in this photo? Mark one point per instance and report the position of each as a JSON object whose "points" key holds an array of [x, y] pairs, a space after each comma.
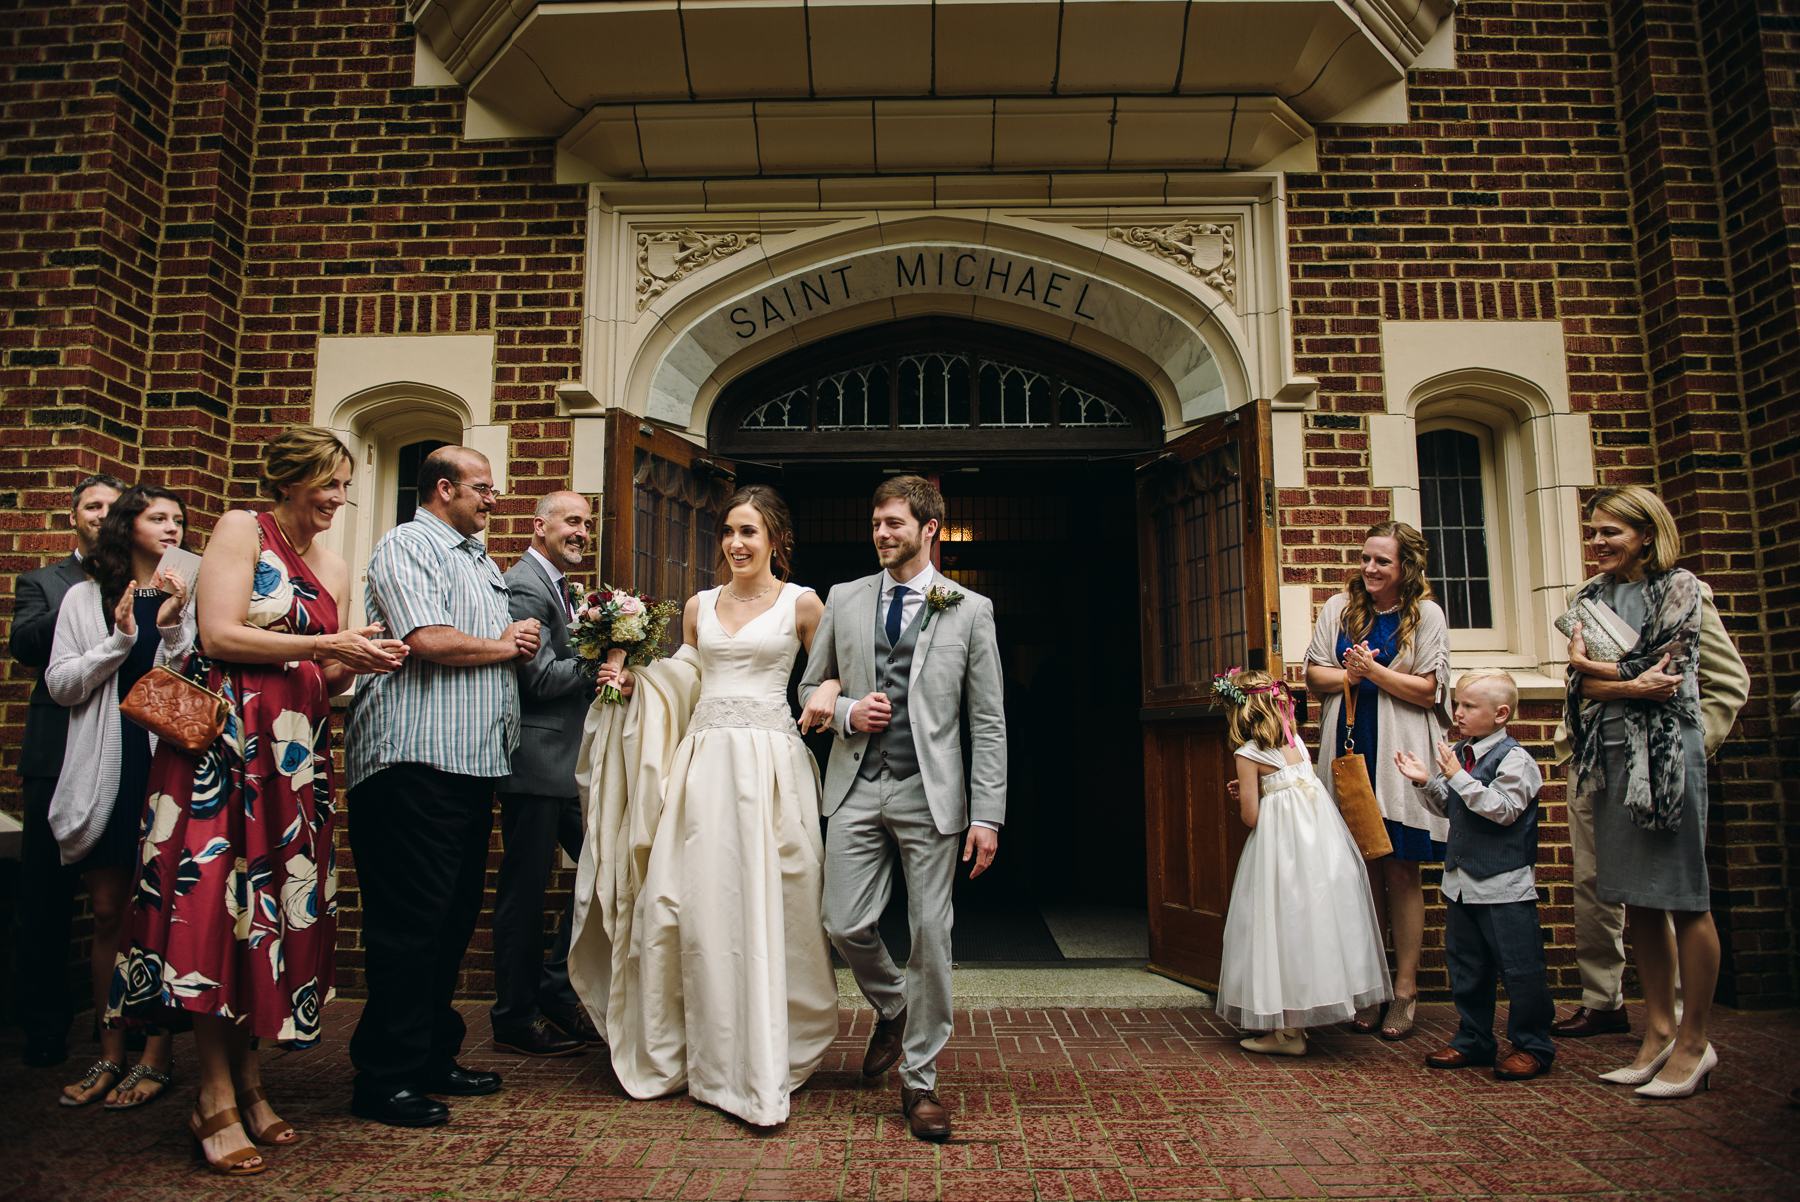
{"points": [[1588, 1021], [574, 1022], [403, 1108], [42, 1051], [460, 1082], [539, 1039]]}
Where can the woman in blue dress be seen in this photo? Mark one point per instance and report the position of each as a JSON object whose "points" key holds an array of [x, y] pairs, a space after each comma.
{"points": [[1386, 638]]}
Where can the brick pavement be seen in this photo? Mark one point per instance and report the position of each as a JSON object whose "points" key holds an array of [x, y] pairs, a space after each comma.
{"points": [[1058, 1104]]}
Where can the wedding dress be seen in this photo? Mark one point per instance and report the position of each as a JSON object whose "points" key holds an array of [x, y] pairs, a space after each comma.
{"points": [[697, 930], [1302, 948]]}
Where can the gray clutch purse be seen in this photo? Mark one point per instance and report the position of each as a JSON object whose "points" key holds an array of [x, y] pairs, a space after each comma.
{"points": [[1608, 635]]}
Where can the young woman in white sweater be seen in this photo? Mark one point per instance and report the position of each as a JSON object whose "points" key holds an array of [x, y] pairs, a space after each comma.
{"points": [[123, 620]]}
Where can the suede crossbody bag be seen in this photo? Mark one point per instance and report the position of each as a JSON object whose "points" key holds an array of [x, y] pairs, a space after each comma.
{"points": [[1354, 792]]}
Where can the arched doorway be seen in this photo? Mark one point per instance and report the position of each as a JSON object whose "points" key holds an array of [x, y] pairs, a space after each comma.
{"points": [[1032, 443]]}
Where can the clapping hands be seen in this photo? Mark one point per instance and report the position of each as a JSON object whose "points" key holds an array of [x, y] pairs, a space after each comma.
{"points": [[365, 653], [1360, 661]]}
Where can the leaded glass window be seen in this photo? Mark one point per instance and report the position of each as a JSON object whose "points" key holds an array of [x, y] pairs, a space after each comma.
{"points": [[1453, 508]]}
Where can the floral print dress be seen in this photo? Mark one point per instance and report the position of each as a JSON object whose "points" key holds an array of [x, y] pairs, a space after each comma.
{"points": [[234, 912]]}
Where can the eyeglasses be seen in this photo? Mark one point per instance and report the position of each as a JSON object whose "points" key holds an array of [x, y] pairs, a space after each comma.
{"points": [[487, 492]]}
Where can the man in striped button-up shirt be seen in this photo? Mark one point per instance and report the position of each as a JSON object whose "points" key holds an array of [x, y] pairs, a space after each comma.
{"points": [[422, 752]]}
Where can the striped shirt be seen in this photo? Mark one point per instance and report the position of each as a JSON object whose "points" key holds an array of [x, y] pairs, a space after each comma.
{"points": [[458, 719]]}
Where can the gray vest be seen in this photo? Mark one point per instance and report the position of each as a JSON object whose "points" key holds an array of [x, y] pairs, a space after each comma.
{"points": [[1480, 846], [893, 748]]}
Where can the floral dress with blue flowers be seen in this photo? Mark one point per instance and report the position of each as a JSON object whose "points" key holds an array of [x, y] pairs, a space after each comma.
{"points": [[234, 912]]}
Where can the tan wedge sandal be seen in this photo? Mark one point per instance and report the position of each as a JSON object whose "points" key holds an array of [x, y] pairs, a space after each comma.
{"points": [[232, 1163], [280, 1132]]}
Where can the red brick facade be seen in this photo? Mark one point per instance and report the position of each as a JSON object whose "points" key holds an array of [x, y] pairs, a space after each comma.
{"points": [[192, 192]]}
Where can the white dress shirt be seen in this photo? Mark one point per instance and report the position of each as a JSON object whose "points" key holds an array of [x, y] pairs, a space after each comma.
{"points": [[556, 579], [910, 604], [1502, 801]]}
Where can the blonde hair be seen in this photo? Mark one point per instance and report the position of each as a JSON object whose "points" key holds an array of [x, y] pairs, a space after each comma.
{"points": [[1415, 588], [1258, 720], [304, 455], [1645, 512], [1498, 685]]}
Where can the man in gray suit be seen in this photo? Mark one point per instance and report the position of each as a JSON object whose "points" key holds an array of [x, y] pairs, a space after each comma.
{"points": [[912, 661], [536, 1012], [46, 888]]}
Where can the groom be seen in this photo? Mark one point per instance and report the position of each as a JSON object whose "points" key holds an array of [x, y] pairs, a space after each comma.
{"points": [[911, 663]]}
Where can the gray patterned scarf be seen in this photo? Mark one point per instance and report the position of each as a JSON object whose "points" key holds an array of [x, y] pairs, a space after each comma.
{"points": [[1656, 768]]}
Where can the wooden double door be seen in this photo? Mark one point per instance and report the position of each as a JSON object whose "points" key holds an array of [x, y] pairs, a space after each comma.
{"points": [[1207, 583]]}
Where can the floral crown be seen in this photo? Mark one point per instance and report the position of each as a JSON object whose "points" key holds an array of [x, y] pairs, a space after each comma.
{"points": [[1225, 687]]}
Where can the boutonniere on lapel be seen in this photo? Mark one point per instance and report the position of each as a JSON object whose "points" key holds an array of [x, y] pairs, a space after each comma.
{"points": [[938, 598]]}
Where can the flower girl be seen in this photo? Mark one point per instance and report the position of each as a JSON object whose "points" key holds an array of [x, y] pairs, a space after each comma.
{"points": [[1302, 948]]}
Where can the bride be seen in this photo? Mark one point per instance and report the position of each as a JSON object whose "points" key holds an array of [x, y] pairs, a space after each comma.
{"points": [[697, 931]]}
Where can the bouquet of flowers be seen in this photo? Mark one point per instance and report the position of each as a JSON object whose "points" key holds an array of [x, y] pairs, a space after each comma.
{"points": [[619, 627]]}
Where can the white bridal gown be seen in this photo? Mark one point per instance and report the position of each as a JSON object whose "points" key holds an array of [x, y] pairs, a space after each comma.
{"points": [[1301, 945], [698, 932]]}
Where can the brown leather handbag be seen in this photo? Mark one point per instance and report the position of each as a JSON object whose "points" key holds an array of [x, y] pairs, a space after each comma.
{"points": [[175, 709], [1355, 794]]}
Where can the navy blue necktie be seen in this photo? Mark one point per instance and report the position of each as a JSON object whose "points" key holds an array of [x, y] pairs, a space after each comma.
{"points": [[894, 614]]}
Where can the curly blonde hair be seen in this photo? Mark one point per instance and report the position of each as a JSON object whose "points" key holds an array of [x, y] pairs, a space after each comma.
{"points": [[1258, 720], [303, 455], [1415, 588]]}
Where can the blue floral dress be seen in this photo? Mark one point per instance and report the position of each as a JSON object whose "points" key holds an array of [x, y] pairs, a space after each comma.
{"points": [[234, 912], [1410, 843]]}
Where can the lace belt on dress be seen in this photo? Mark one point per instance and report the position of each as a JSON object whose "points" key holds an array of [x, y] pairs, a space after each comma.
{"points": [[710, 712]]}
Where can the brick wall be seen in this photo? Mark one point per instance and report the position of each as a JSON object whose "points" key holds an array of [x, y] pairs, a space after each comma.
{"points": [[1524, 187]]}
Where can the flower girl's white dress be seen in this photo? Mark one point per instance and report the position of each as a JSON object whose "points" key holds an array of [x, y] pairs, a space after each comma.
{"points": [[1302, 948]]}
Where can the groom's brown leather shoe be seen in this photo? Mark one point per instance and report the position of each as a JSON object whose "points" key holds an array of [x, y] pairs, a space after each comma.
{"points": [[926, 1117], [884, 1045]]}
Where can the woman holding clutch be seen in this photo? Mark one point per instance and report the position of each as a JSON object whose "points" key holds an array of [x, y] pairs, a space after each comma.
{"points": [[1384, 637], [233, 921], [1639, 751], [127, 617]]}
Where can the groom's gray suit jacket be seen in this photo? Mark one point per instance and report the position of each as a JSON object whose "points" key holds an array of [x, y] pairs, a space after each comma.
{"points": [[554, 695], [956, 669]]}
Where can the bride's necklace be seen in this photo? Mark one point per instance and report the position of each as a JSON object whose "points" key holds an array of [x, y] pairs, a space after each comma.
{"points": [[752, 597]]}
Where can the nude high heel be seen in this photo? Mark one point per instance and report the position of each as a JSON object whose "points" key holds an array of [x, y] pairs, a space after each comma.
{"points": [[1697, 1080], [1637, 1076]]}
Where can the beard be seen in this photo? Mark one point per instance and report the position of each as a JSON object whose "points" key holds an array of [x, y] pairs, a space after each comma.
{"points": [[901, 552], [571, 554]]}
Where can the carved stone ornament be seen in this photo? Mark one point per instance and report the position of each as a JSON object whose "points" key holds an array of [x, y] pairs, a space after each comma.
{"points": [[665, 259], [1199, 248]]}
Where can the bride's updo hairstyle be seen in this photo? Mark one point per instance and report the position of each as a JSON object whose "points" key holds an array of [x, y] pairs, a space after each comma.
{"points": [[1415, 588], [777, 523]]}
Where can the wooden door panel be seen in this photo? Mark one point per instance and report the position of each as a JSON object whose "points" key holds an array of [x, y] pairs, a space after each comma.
{"points": [[1207, 558], [659, 516]]}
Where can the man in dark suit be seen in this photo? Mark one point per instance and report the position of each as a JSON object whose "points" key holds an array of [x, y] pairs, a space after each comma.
{"points": [[46, 888], [537, 1012]]}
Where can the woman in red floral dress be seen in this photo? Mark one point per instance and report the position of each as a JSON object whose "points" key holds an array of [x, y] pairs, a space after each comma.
{"points": [[233, 917]]}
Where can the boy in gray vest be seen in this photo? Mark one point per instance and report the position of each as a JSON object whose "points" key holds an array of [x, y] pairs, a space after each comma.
{"points": [[1488, 785]]}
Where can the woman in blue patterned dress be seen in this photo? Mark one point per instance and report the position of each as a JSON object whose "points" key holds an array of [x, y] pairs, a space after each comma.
{"points": [[1385, 637]]}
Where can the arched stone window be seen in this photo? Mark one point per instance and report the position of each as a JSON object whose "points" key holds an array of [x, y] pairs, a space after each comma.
{"points": [[933, 386]]}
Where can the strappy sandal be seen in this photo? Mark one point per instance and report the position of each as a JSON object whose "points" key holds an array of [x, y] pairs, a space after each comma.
{"points": [[232, 1164], [140, 1072], [272, 1134], [101, 1068], [1401, 1027], [1368, 1020]]}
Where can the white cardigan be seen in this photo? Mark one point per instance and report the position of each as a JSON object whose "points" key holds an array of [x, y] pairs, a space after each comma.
{"points": [[84, 662]]}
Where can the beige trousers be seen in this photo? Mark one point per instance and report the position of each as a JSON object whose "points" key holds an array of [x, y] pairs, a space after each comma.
{"points": [[1599, 926]]}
